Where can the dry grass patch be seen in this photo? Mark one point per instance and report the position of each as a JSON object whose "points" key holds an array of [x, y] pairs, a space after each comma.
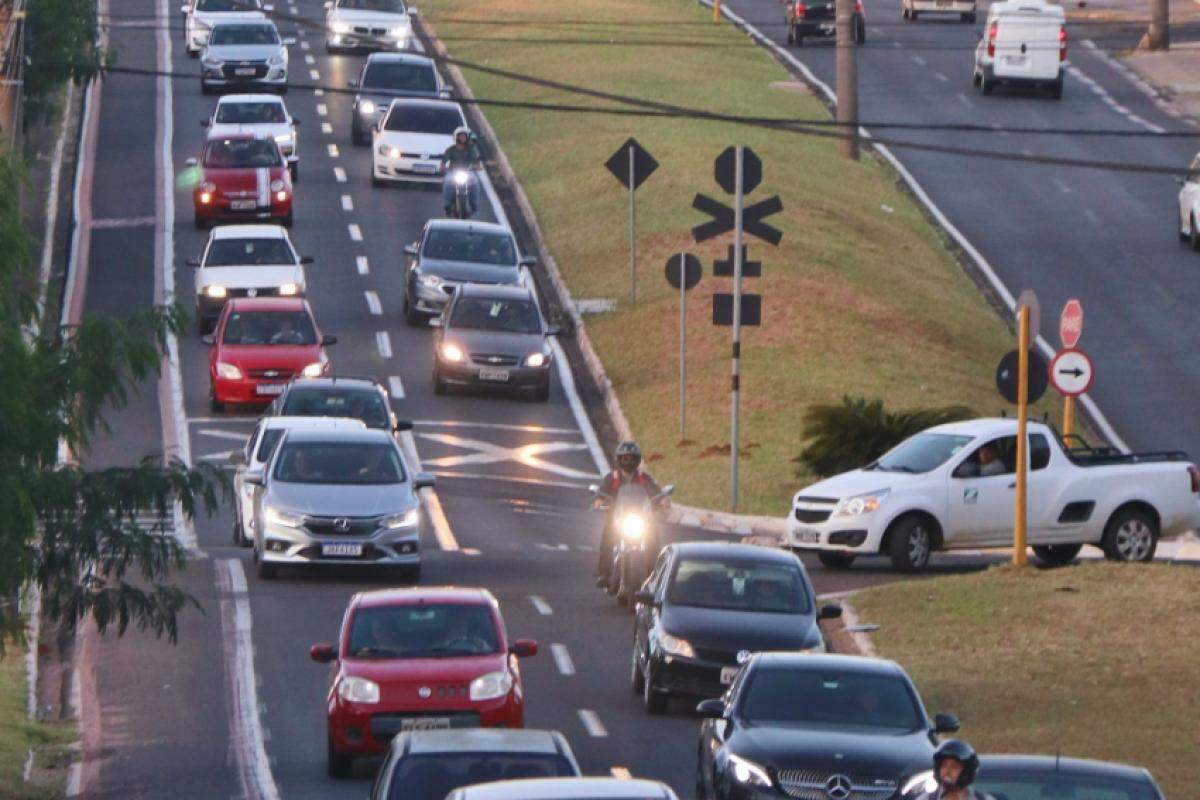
{"points": [[19, 735]]}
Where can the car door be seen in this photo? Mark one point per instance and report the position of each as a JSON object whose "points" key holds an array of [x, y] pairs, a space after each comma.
{"points": [[647, 614], [242, 490], [980, 501]]}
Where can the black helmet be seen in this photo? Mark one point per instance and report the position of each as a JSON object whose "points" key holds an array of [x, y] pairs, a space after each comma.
{"points": [[961, 752], [629, 456]]}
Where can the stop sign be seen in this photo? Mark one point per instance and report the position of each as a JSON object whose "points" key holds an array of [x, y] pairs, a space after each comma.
{"points": [[1070, 324]]}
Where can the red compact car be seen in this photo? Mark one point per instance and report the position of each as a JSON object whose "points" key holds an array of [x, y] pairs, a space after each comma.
{"points": [[242, 177], [259, 344], [419, 659]]}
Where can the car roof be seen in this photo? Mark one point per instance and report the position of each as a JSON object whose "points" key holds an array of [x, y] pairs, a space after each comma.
{"points": [[1076, 766], [400, 58], [1027, 7], [813, 662], [249, 231], [458, 595], [250, 98], [496, 291], [241, 136], [734, 550], [362, 435], [337, 381], [268, 304], [566, 789], [481, 740], [290, 423], [470, 225], [987, 426]]}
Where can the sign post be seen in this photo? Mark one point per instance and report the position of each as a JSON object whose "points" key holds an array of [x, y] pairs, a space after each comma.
{"points": [[631, 165], [1070, 328], [683, 272], [1025, 306]]}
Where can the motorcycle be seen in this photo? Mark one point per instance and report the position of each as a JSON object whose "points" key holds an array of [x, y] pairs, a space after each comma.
{"points": [[636, 538], [461, 208]]}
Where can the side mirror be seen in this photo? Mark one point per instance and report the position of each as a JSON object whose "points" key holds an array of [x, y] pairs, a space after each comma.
{"points": [[191, 162], [444, 94], [830, 611], [410, 249], [307, 259], [322, 653], [295, 122], [237, 458], [668, 489], [437, 322], [328, 339], [712, 709], [412, 11], [524, 648], [193, 262], [208, 339], [645, 598], [945, 723], [204, 123], [254, 478], [528, 261], [553, 330], [424, 480], [402, 425], [288, 41]]}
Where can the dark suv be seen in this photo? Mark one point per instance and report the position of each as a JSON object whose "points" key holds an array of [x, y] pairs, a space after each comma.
{"points": [[354, 397], [384, 77]]}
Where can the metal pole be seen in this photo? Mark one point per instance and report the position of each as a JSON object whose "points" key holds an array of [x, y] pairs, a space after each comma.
{"points": [[1158, 37], [632, 235], [847, 80], [1068, 416], [735, 380], [1020, 557], [682, 347]]}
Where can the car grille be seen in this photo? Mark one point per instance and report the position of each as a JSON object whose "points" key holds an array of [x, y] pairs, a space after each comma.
{"points": [[271, 374], [229, 69], [813, 509], [385, 726], [271, 291], [494, 359], [351, 526], [808, 784], [362, 30]]}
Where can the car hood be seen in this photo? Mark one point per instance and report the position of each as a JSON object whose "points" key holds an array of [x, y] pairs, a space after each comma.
{"points": [[470, 271], [371, 18], [249, 277], [275, 129], [427, 144], [243, 52], [277, 356], [518, 345], [860, 481], [857, 752], [341, 500], [400, 680], [716, 629], [255, 180]]}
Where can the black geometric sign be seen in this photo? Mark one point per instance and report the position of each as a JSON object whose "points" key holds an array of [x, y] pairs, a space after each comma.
{"points": [[723, 309], [724, 268], [722, 219], [1009, 369], [643, 164], [692, 270], [725, 169]]}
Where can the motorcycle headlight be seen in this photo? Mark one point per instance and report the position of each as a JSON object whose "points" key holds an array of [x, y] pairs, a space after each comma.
{"points": [[452, 352], [406, 520], [229, 372], [491, 685], [675, 646], [366, 107], [215, 292], [633, 526], [314, 370], [277, 185], [461, 177], [340, 27], [860, 504], [358, 690], [285, 519], [432, 281], [535, 359], [289, 289], [747, 772]]}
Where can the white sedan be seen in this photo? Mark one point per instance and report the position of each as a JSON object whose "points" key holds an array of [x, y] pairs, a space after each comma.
{"points": [[1189, 205], [257, 113], [410, 139], [368, 25], [199, 17]]}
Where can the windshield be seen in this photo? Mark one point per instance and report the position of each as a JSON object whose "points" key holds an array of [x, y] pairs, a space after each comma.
{"points": [[244, 34], [242, 153], [504, 316], [921, 453], [266, 445], [364, 404], [381, 6], [1026, 786], [739, 586], [269, 328], [400, 77], [829, 697], [476, 247], [249, 252], [251, 113], [428, 630], [358, 463], [226, 6], [424, 119], [433, 776]]}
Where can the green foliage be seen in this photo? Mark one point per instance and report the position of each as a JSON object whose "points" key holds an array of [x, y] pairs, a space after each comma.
{"points": [[72, 531], [845, 436], [63, 45]]}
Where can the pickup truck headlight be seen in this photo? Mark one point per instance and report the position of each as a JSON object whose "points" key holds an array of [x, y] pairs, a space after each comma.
{"points": [[860, 504], [366, 107], [358, 690], [491, 685], [286, 519], [675, 646], [289, 290], [747, 772]]}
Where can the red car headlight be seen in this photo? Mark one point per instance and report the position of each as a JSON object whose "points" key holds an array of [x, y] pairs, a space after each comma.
{"points": [[491, 685]]}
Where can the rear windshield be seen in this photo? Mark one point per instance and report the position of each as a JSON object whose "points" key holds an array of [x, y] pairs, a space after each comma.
{"points": [[365, 405], [239, 153], [381, 6], [435, 775], [428, 630], [346, 463], [395, 76], [224, 6], [504, 316], [244, 34], [251, 113], [249, 252], [1024, 786], [740, 586], [424, 119], [477, 247], [829, 698], [269, 328]]}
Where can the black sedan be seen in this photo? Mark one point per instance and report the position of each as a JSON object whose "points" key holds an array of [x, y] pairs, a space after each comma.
{"points": [[815, 726], [1039, 777], [707, 606]]}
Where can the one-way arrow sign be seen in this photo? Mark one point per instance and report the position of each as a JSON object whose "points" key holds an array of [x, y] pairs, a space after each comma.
{"points": [[752, 219]]}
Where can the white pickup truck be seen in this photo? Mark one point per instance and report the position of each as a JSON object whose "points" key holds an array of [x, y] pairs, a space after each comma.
{"points": [[952, 487]]}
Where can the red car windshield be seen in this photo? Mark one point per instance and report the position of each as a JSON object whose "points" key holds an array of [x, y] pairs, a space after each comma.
{"points": [[269, 328], [428, 630], [246, 153]]}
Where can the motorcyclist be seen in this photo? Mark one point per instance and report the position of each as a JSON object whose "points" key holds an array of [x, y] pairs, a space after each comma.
{"points": [[955, 764], [463, 154], [629, 471]]}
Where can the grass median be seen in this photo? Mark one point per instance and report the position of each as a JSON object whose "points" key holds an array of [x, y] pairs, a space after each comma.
{"points": [[19, 735], [1095, 661], [861, 298]]}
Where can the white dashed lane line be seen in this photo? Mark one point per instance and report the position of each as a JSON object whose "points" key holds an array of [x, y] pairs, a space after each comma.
{"points": [[1062, 187], [339, 174], [920, 61], [373, 304], [395, 387], [541, 605], [347, 203], [318, 92], [1091, 215], [308, 58], [962, 98], [333, 150], [384, 343], [316, 76], [322, 109], [360, 263], [592, 724], [326, 128], [355, 232], [941, 77], [562, 659], [304, 45]]}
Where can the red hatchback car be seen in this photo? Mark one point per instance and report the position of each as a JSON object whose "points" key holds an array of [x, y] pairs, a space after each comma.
{"points": [[242, 177], [419, 659], [259, 344]]}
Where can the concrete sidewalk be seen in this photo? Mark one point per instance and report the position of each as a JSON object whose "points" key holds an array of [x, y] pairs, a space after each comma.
{"points": [[1175, 73]]}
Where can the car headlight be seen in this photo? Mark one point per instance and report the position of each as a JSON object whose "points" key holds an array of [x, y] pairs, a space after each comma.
{"points": [[289, 289], [215, 292], [535, 359], [399, 32], [366, 107], [675, 646], [491, 685], [277, 60], [284, 138], [452, 352], [340, 27], [208, 186], [314, 370], [212, 63], [633, 526], [277, 185], [390, 152], [860, 504], [406, 520], [358, 690], [432, 281], [229, 372], [285, 519], [747, 772]]}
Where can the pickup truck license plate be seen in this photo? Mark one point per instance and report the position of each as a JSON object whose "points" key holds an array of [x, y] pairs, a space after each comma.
{"points": [[269, 388], [347, 549], [425, 724], [243, 205], [807, 536], [244, 71], [728, 674], [489, 374], [1015, 61]]}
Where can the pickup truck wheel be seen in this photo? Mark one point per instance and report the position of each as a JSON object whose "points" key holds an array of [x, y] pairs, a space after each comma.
{"points": [[910, 544], [860, 31], [835, 560], [1131, 535], [1056, 555]]}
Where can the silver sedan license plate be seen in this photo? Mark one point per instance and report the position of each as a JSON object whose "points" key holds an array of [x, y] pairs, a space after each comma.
{"points": [[244, 71], [425, 724], [489, 374], [728, 674], [341, 549]]}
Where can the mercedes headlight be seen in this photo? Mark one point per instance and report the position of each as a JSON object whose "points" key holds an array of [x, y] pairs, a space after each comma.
{"points": [[405, 520], [215, 292], [289, 289], [358, 690], [314, 370], [633, 526], [860, 504], [675, 646], [452, 352], [747, 772], [340, 27], [491, 685], [285, 519], [535, 359], [366, 107], [229, 372]]}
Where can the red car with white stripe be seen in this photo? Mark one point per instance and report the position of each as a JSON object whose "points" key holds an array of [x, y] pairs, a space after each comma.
{"points": [[242, 177]]}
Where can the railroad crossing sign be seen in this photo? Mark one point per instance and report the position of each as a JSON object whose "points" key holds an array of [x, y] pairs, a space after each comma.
{"points": [[1008, 370], [631, 164], [1070, 324], [690, 270], [723, 268], [723, 219], [1072, 372], [725, 170]]}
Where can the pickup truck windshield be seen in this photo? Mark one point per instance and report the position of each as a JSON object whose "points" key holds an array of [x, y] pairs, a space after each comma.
{"points": [[921, 453]]}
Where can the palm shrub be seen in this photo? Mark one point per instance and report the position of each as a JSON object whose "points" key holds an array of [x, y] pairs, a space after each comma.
{"points": [[844, 436]]}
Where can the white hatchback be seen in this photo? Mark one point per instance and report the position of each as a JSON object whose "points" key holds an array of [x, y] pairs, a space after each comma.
{"points": [[1024, 44], [410, 139], [257, 113], [1189, 205]]}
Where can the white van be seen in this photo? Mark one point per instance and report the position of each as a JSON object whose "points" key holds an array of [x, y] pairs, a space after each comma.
{"points": [[1024, 43]]}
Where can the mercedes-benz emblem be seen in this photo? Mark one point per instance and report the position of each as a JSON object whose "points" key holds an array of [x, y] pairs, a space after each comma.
{"points": [[424, 692], [743, 656], [341, 525], [838, 787]]}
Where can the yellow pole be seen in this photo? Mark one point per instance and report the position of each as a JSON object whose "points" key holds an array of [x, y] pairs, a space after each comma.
{"points": [[1068, 416], [716, 10], [1020, 557]]}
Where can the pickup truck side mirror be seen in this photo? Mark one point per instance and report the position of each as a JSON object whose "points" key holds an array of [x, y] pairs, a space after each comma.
{"points": [[528, 261], [208, 339], [322, 653], [713, 709], [206, 122], [191, 162], [553, 330], [402, 425], [328, 339], [352, 83], [254, 479], [645, 598]]}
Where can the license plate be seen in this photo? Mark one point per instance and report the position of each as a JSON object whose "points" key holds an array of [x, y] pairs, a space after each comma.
{"points": [[488, 374], [1015, 61], [243, 205], [807, 536], [347, 549], [428, 168], [245, 71], [425, 724], [728, 674], [269, 388]]}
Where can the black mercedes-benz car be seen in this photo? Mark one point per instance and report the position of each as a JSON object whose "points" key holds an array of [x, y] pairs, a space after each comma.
{"points": [[707, 606], [1042, 777], [815, 727]]}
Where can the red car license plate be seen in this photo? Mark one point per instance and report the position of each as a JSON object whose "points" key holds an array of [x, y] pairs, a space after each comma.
{"points": [[425, 724], [269, 388], [243, 205]]}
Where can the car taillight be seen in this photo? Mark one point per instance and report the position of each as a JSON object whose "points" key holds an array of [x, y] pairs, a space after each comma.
{"points": [[800, 10], [1194, 474], [1062, 44], [992, 40]]}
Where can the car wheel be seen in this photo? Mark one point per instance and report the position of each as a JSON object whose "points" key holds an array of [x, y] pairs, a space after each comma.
{"points": [[975, 79], [791, 34], [282, 90], [798, 40], [1131, 535], [214, 404], [654, 701], [339, 765], [904, 12], [1194, 235], [238, 538], [1056, 555], [294, 168], [1056, 89], [200, 223], [912, 15], [636, 679], [375, 181], [412, 317], [205, 88], [439, 383], [542, 393], [986, 86], [860, 31], [835, 560], [910, 543]]}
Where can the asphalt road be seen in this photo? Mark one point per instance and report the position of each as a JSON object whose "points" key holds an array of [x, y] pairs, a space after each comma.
{"points": [[188, 721]]}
